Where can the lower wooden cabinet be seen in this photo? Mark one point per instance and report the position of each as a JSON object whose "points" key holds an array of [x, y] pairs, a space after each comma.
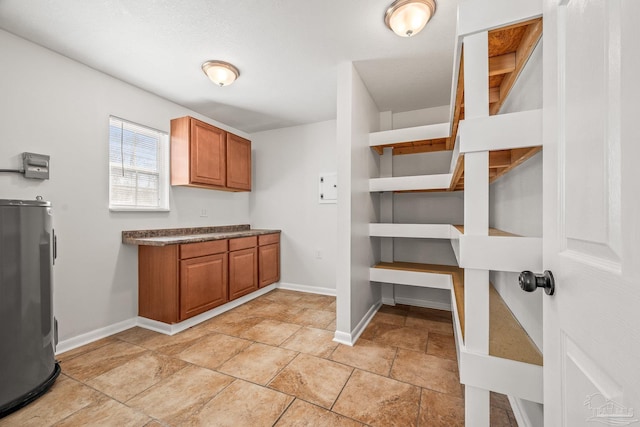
{"points": [[203, 284], [243, 271], [176, 282], [269, 259]]}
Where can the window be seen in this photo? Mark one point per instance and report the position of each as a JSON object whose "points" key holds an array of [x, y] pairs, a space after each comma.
{"points": [[138, 172]]}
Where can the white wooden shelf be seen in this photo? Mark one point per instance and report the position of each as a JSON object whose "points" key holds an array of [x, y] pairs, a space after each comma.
{"points": [[439, 182], [513, 365], [416, 231], [391, 138], [413, 274]]}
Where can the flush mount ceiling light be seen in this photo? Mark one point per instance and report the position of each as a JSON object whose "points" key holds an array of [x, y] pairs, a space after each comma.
{"points": [[220, 72], [407, 18]]}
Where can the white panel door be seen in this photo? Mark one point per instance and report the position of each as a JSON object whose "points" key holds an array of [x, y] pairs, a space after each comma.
{"points": [[592, 212]]}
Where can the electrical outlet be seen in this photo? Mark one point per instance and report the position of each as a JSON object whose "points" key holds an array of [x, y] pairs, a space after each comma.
{"points": [[204, 213]]}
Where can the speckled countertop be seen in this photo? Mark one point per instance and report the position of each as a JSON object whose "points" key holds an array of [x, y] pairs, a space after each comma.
{"points": [[175, 236]]}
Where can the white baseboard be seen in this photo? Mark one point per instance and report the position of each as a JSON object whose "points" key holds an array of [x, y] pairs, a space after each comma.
{"points": [[351, 338], [168, 329], [388, 301], [528, 414], [423, 303], [342, 338], [307, 289], [95, 335], [91, 336], [153, 325]]}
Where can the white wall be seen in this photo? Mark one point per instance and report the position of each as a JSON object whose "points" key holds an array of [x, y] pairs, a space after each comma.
{"points": [[516, 202], [357, 116], [425, 208], [287, 163], [421, 117], [52, 105]]}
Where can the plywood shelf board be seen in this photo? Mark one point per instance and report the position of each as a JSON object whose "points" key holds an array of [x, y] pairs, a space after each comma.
{"points": [[493, 232], [507, 337]]}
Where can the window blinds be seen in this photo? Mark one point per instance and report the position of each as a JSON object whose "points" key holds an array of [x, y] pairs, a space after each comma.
{"points": [[137, 166]]}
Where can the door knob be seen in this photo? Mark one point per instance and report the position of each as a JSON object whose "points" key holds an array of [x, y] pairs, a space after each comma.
{"points": [[529, 282]]}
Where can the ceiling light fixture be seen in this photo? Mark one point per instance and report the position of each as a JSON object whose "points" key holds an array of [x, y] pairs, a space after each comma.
{"points": [[407, 18], [221, 73]]}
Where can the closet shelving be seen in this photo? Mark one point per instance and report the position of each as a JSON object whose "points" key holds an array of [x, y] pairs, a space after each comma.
{"points": [[513, 364]]}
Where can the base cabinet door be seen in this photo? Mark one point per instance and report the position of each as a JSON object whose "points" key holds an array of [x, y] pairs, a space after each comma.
{"points": [[203, 284], [243, 272], [269, 258]]}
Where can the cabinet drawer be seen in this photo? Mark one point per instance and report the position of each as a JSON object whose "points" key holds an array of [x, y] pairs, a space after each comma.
{"points": [[267, 239], [192, 250], [243, 243]]}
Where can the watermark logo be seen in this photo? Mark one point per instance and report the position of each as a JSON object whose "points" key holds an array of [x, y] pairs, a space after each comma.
{"points": [[608, 412]]}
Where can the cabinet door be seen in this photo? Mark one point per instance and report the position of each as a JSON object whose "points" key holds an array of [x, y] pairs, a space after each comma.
{"points": [[243, 272], [203, 284], [238, 162], [269, 258], [208, 154]]}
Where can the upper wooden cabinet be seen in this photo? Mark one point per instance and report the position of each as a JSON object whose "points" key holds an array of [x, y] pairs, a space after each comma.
{"points": [[205, 156], [238, 162]]}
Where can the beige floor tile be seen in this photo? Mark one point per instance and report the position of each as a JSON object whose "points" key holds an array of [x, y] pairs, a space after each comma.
{"points": [[137, 335], [317, 342], [317, 302], [135, 376], [282, 296], [312, 379], [180, 395], [331, 326], [425, 370], [431, 314], [314, 318], [391, 318], [366, 355], [154, 423], [258, 363], [441, 345], [398, 336], [68, 355], [304, 414], [395, 309], [233, 324], [65, 397], [379, 401], [499, 418], [107, 412], [272, 332], [213, 350], [242, 404], [103, 359], [277, 311], [500, 401], [441, 410], [332, 306], [429, 322], [174, 344]]}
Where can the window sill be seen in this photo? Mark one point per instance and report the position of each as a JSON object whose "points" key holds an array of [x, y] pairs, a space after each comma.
{"points": [[123, 209]]}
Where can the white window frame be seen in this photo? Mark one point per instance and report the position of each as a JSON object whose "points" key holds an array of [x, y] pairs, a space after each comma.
{"points": [[162, 168]]}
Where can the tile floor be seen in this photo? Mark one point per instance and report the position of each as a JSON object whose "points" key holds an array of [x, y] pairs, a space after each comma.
{"points": [[269, 362]]}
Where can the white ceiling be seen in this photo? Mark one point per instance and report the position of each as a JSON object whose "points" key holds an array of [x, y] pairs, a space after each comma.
{"points": [[287, 52]]}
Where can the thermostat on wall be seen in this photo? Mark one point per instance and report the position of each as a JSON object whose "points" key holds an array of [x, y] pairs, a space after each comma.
{"points": [[328, 192]]}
